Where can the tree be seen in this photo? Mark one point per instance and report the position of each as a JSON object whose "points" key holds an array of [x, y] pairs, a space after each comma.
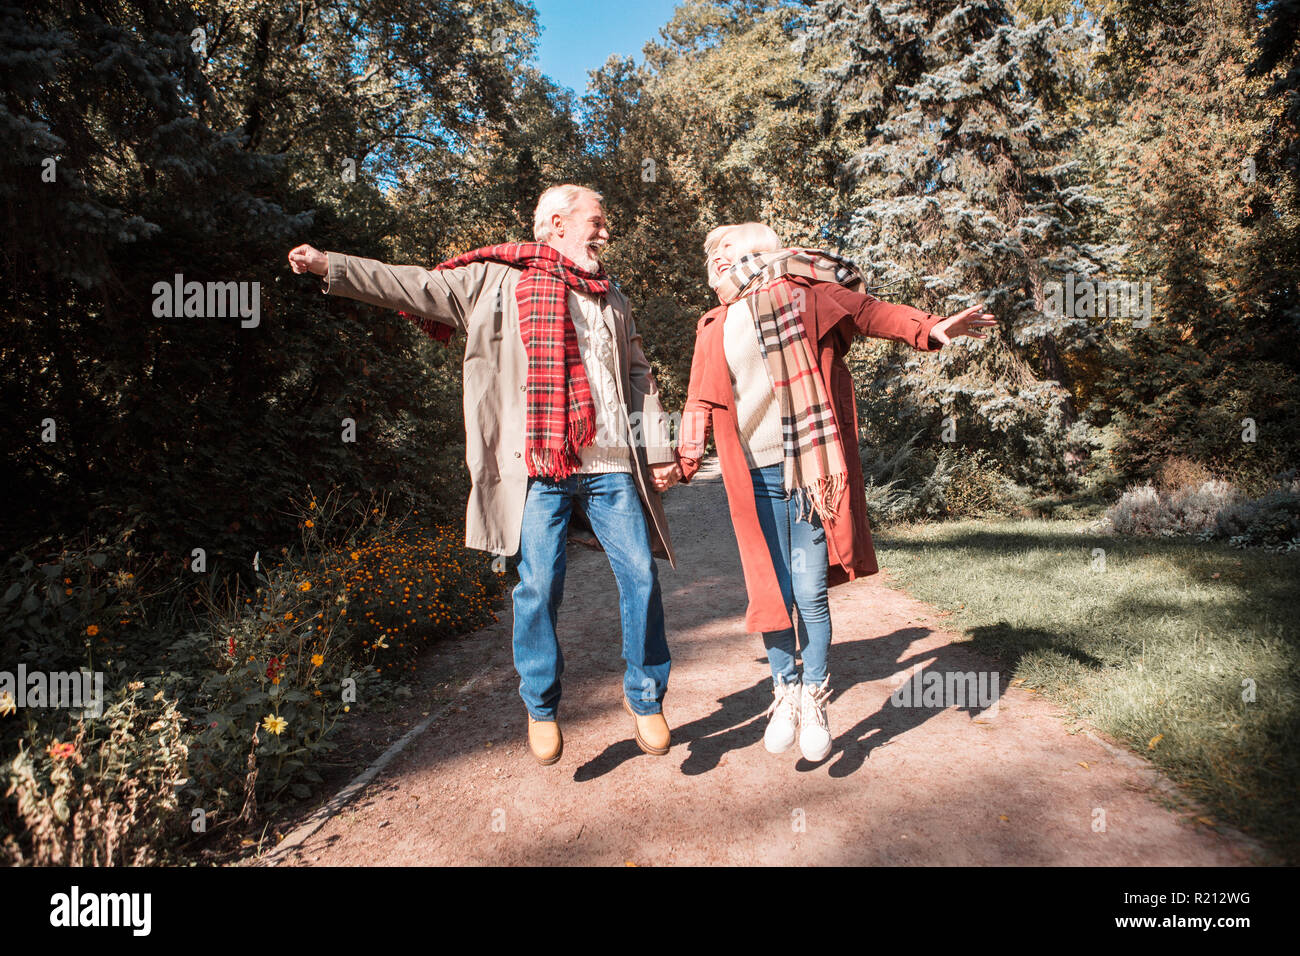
{"points": [[963, 190]]}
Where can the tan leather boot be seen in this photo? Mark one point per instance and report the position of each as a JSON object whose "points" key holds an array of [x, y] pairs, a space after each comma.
{"points": [[545, 740], [651, 731]]}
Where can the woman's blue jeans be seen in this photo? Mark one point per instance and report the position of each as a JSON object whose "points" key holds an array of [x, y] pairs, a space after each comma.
{"points": [[798, 550], [613, 507]]}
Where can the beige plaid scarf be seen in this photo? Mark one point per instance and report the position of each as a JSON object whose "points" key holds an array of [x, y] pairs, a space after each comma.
{"points": [[815, 471]]}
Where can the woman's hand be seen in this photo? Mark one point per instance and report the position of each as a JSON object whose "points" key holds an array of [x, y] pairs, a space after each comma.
{"points": [[965, 322], [307, 258]]}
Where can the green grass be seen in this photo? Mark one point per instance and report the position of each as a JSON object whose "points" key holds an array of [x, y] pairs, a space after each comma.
{"points": [[1158, 643]]}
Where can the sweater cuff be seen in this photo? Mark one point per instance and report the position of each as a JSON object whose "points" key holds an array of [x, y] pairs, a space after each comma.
{"points": [[334, 272], [660, 456]]}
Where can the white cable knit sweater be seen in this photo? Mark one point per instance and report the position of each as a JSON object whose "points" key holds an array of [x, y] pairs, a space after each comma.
{"points": [[609, 452]]}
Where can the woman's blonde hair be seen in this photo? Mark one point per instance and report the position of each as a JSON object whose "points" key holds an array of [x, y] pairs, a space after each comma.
{"points": [[749, 237]]}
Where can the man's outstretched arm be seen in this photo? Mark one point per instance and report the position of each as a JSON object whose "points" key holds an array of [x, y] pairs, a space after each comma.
{"points": [[443, 295]]}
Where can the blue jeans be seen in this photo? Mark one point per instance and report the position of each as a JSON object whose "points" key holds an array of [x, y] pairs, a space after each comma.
{"points": [[613, 507], [798, 550]]}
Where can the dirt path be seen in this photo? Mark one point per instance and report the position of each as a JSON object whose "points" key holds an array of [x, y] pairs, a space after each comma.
{"points": [[1011, 786]]}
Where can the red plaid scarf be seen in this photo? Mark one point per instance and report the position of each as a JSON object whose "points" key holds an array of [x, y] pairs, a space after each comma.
{"points": [[561, 418]]}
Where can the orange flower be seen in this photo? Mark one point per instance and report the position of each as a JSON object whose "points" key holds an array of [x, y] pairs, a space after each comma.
{"points": [[92, 630], [61, 751]]}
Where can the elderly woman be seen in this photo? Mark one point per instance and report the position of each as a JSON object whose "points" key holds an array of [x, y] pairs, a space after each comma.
{"points": [[769, 379]]}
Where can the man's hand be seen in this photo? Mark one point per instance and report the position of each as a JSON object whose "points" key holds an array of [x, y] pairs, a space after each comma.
{"points": [[665, 475], [306, 258], [963, 323]]}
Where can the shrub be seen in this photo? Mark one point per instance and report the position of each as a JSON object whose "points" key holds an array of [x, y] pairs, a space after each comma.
{"points": [[955, 483], [1187, 510], [353, 603], [1179, 472], [1272, 521], [977, 488], [101, 792], [242, 705], [1213, 509]]}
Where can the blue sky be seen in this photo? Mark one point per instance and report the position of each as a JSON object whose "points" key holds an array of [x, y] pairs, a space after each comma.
{"points": [[579, 35]]}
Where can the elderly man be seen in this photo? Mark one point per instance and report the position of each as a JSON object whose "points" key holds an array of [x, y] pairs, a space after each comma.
{"points": [[561, 410]]}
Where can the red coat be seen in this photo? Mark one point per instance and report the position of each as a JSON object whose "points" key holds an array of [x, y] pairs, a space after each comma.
{"points": [[832, 318]]}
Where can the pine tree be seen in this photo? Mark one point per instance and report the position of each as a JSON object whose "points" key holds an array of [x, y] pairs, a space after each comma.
{"points": [[963, 190]]}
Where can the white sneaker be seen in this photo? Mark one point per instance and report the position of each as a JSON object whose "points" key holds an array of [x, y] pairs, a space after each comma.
{"points": [[782, 718], [814, 728]]}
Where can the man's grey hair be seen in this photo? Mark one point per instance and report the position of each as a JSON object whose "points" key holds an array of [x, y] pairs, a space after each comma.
{"points": [[558, 200]]}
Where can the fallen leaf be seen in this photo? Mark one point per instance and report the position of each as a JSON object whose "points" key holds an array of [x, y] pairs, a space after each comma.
{"points": [[628, 863], [1207, 821], [1151, 744], [1004, 818], [1083, 764]]}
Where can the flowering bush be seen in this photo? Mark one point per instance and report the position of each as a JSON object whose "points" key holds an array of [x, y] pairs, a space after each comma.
{"points": [[247, 697], [101, 792], [352, 603]]}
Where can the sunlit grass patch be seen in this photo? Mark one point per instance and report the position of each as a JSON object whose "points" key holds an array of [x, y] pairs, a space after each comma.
{"points": [[1187, 651]]}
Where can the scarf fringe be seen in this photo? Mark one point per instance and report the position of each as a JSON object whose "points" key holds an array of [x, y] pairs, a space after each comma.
{"points": [[560, 463], [823, 496]]}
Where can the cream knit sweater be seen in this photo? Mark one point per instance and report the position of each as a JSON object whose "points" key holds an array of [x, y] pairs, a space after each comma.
{"points": [[757, 410], [610, 451]]}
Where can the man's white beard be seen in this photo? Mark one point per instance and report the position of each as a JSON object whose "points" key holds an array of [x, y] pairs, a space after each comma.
{"points": [[586, 261]]}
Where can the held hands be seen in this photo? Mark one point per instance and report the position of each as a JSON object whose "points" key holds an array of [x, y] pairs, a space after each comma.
{"points": [[307, 258], [965, 322], [666, 475]]}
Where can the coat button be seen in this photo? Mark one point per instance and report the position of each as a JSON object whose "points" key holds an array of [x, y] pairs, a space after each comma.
{"points": [[517, 455], [523, 388]]}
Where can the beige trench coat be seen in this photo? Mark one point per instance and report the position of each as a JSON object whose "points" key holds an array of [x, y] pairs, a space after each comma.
{"points": [[479, 299]]}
